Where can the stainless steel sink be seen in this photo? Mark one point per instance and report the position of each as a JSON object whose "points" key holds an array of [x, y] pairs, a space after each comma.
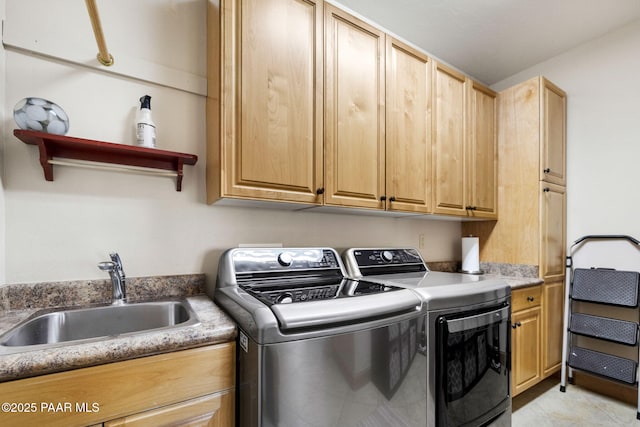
{"points": [[52, 328]]}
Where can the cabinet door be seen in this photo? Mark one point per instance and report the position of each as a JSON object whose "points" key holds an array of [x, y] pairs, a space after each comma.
{"points": [[127, 387], [553, 115], [552, 231], [270, 143], [449, 175], [215, 410], [354, 111], [525, 355], [482, 153], [553, 318], [408, 128]]}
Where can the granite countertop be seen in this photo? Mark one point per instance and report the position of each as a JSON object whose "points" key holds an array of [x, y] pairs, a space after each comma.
{"points": [[214, 327], [520, 282], [516, 275]]}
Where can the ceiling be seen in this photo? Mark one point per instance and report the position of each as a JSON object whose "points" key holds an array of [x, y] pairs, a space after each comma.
{"points": [[494, 39]]}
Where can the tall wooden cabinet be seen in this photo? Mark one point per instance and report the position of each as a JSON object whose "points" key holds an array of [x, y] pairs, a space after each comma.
{"points": [[354, 111], [265, 100], [532, 199], [553, 211]]}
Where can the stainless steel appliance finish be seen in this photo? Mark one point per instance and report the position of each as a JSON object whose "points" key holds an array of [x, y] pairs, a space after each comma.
{"points": [[468, 335], [319, 349], [470, 366]]}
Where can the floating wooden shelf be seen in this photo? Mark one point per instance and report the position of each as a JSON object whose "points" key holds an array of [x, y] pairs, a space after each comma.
{"points": [[84, 152]]}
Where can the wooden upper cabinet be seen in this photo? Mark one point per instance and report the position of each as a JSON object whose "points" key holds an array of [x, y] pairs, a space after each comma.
{"points": [[482, 154], [553, 111], [449, 140], [264, 108], [354, 111], [408, 128], [309, 104], [465, 146]]}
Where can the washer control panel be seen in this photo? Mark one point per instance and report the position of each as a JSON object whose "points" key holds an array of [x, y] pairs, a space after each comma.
{"points": [[252, 260], [297, 295], [303, 291]]}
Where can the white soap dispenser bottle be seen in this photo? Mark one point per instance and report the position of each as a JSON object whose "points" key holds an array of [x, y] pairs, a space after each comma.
{"points": [[145, 127]]}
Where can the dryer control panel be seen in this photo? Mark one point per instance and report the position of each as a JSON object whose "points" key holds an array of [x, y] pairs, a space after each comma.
{"points": [[369, 261]]}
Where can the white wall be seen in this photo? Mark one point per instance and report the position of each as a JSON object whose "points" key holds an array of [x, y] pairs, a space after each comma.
{"points": [[603, 131], [60, 230]]}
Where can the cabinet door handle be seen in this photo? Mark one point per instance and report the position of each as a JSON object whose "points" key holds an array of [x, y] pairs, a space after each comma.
{"points": [[392, 199], [471, 208], [383, 198], [546, 170], [546, 189], [320, 191], [530, 299], [515, 325]]}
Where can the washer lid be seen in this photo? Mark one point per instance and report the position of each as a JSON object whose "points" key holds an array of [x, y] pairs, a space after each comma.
{"points": [[333, 312]]}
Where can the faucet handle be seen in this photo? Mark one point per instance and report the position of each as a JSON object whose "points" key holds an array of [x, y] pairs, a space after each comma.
{"points": [[116, 259], [106, 266], [114, 267]]}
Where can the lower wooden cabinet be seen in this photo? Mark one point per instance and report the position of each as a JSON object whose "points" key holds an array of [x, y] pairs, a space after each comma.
{"points": [[552, 325], [184, 388], [216, 410], [536, 336], [526, 339]]}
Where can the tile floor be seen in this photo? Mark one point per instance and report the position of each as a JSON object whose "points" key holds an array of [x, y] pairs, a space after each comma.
{"points": [[545, 406]]}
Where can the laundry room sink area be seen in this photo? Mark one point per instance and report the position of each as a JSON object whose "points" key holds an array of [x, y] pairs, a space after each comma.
{"points": [[50, 328]]}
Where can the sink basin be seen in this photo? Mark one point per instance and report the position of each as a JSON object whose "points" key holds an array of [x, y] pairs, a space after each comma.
{"points": [[50, 328]]}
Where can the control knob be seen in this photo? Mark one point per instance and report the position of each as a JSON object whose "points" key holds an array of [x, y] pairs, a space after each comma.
{"points": [[285, 298], [387, 256], [285, 259]]}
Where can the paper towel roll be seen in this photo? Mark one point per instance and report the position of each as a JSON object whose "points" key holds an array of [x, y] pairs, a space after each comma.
{"points": [[470, 255]]}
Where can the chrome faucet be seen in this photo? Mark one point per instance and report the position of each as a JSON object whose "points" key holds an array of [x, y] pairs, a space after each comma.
{"points": [[114, 267]]}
